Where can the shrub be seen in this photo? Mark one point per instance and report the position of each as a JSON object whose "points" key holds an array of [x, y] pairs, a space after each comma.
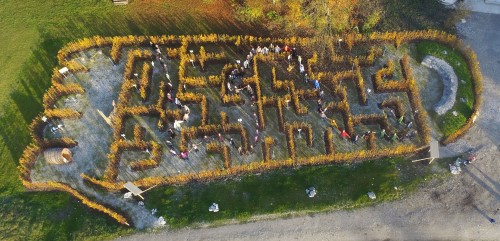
{"points": [[134, 56], [223, 150], [202, 57], [360, 84], [370, 142], [394, 104], [81, 45], [57, 91], [109, 186], [86, 201], [267, 144], [299, 109], [62, 114], [145, 81], [59, 142], [27, 161], [290, 128], [138, 132], [373, 119], [329, 141], [124, 41]]}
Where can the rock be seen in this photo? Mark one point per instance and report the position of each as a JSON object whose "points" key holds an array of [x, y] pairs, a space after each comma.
{"points": [[311, 192], [214, 208], [372, 195], [450, 82], [161, 221], [454, 113]]}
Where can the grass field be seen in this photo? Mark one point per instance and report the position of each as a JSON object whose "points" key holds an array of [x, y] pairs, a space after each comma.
{"points": [[31, 33]]}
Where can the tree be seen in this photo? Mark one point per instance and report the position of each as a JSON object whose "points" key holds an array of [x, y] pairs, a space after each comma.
{"points": [[331, 16], [316, 17]]}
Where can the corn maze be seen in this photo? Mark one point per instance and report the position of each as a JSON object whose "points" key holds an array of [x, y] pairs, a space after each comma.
{"points": [[181, 112]]}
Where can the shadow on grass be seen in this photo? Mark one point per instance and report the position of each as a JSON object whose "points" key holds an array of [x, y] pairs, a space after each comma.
{"points": [[26, 100]]}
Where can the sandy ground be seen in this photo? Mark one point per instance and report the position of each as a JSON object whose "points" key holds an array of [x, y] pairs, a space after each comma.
{"points": [[458, 209]]}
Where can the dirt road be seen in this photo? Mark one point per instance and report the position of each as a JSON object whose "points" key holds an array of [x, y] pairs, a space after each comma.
{"points": [[458, 209]]}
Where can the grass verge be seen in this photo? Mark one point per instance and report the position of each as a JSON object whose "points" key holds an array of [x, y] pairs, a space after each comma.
{"points": [[449, 123], [283, 191]]}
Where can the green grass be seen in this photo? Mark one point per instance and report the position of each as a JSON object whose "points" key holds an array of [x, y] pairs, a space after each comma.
{"points": [[448, 123], [53, 216], [338, 186]]}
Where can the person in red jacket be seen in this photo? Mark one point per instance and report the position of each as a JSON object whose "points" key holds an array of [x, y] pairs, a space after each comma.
{"points": [[344, 134]]}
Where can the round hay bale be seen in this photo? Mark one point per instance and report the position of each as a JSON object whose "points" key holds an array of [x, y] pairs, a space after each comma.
{"points": [[58, 156]]}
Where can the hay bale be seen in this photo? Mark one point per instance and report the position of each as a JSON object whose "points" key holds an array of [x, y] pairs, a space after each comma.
{"points": [[58, 156]]}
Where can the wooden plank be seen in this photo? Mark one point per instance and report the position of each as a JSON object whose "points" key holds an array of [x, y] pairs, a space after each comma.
{"points": [[434, 149], [133, 188]]}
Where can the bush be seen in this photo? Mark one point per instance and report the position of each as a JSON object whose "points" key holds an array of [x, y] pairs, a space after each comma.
{"points": [[329, 141], [145, 82], [57, 91], [290, 128], [267, 144], [394, 104], [223, 150]]}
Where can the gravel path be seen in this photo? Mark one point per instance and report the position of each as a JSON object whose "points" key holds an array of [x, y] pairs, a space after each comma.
{"points": [[458, 209]]}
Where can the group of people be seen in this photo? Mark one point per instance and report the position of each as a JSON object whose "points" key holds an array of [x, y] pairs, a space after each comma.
{"points": [[235, 85], [159, 57], [186, 111], [408, 133]]}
